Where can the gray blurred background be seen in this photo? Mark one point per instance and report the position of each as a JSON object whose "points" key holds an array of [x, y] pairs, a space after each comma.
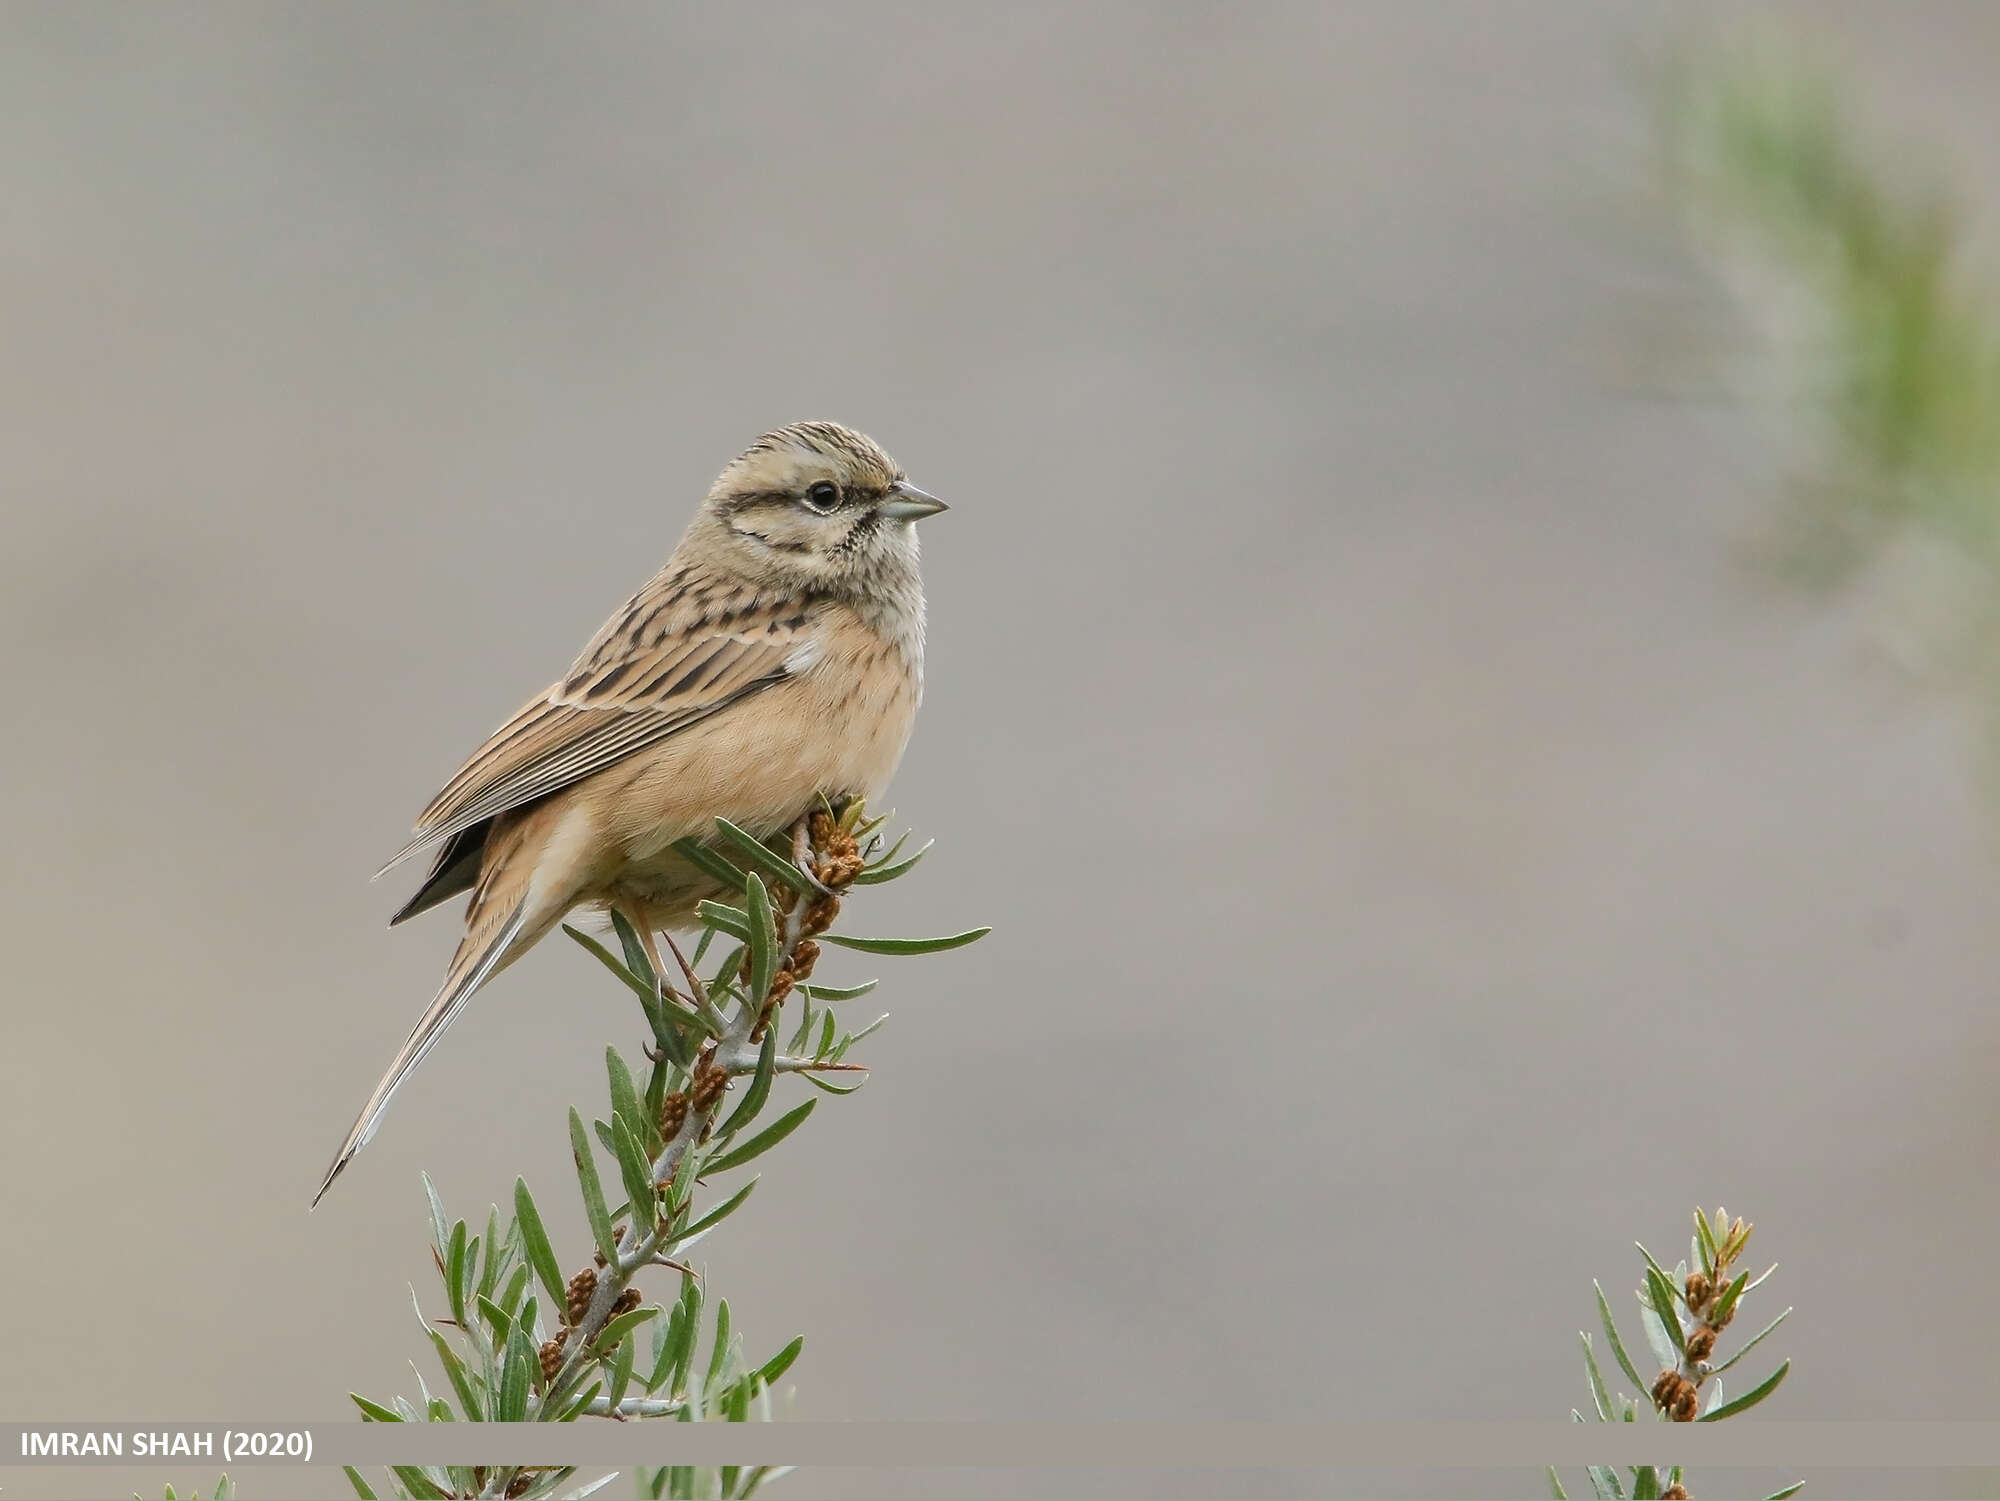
{"points": [[1421, 861]]}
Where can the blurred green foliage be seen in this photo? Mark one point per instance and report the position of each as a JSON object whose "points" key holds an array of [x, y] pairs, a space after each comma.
{"points": [[1851, 259]]}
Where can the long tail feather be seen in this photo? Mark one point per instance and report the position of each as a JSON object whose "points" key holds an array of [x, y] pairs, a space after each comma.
{"points": [[477, 958]]}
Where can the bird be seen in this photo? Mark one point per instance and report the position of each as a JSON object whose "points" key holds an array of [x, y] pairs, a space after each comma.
{"points": [[775, 660]]}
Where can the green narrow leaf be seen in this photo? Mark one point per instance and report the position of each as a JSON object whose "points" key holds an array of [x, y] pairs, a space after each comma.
{"points": [[1661, 1292], [759, 856], [838, 992], [624, 1093], [373, 1412], [1654, 1264], [498, 1319], [825, 1037], [1788, 1492], [725, 919], [636, 959], [638, 1176], [669, 1353], [575, 1409], [517, 1379], [763, 1141], [593, 1191], [1752, 1343], [1617, 1345], [535, 1240], [818, 1083], [440, 1226], [760, 1087], [1750, 1398], [1705, 1236], [1556, 1486], [1599, 1397], [780, 1363], [1645, 1483], [616, 1329], [1657, 1343], [361, 1489], [454, 1272], [621, 1357], [872, 858], [721, 1212], [701, 856], [610, 961], [690, 1304], [763, 944], [798, 1042], [907, 945], [724, 983], [1725, 1304], [489, 1272], [718, 1354], [461, 1378], [867, 1031], [875, 875]]}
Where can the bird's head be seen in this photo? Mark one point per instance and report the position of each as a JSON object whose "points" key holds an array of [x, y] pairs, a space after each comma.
{"points": [[819, 503]]}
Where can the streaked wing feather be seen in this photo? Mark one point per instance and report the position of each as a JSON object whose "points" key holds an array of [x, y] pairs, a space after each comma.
{"points": [[621, 696]]}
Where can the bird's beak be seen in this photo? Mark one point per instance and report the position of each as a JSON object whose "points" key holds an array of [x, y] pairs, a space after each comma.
{"points": [[907, 503]]}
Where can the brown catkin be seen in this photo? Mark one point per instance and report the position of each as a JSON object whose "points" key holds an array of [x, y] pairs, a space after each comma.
{"points": [[627, 1301], [710, 1079], [1701, 1343], [1676, 1396], [1674, 1493], [552, 1353], [840, 870], [673, 1114], [576, 1301], [805, 954]]}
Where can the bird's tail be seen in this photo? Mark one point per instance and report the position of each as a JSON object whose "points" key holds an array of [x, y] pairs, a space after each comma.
{"points": [[492, 937]]}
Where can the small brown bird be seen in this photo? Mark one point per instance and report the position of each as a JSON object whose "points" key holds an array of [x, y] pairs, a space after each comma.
{"points": [[777, 658]]}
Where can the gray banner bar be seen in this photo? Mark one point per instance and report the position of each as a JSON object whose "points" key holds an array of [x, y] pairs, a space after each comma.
{"points": [[1011, 1445]]}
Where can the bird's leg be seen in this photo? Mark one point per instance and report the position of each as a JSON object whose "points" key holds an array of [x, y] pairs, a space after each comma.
{"points": [[802, 854]]}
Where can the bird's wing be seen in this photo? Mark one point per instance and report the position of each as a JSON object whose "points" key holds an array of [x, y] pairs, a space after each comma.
{"points": [[673, 656]]}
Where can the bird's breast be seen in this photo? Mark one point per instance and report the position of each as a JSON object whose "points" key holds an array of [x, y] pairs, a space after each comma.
{"points": [[837, 727]]}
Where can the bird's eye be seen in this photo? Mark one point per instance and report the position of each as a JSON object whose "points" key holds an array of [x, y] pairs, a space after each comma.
{"points": [[823, 495]]}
